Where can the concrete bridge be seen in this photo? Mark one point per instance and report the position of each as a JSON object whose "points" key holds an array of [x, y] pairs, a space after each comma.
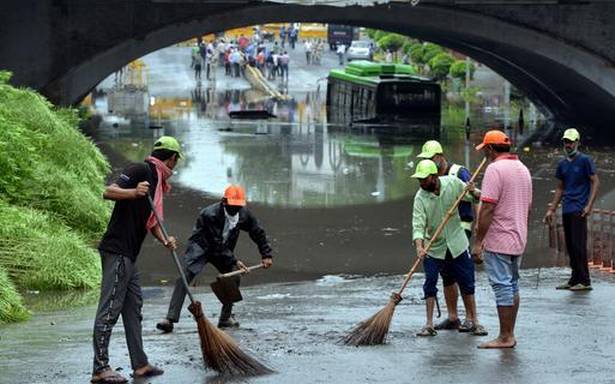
{"points": [[561, 53]]}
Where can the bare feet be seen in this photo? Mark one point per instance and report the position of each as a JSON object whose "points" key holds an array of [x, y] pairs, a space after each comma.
{"points": [[500, 342], [148, 371], [108, 376]]}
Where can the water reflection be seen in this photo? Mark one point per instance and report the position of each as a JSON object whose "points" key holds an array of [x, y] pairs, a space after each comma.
{"points": [[299, 159]]}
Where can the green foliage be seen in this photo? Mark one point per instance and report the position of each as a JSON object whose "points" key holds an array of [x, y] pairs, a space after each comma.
{"points": [[440, 65], [11, 305], [48, 164], [371, 33], [407, 46], [5, 76], [40, 253], [417, 54], [458, 70], [379, 35], [430, 51], [470, 94], [391, 42]]}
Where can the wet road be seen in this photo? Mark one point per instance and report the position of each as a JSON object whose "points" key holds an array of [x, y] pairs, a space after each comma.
{"points": [[563, 337]]}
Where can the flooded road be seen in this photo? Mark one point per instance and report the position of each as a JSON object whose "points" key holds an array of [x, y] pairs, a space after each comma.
{"points": [[293, 327]]}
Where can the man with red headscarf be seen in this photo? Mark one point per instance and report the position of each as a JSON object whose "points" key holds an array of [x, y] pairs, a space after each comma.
{"points": [[213, 240], [120, 292]]}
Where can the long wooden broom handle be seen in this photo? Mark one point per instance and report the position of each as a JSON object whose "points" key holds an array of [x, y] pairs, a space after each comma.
{"points": [[240, 271], [440, 227], [165, 234]]}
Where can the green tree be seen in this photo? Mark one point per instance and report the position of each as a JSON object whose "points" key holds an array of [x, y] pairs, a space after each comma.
{"points": [[392, 42], [371, 33], [458, 70], [431, 50], [379, 35], [417, 54], [440, 65]]}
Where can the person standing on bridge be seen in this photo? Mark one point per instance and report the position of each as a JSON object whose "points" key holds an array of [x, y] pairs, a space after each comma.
{"points": [[433, 150], [578, 188], [213, 240], [120, 292], [450, 250], [501, 234]]}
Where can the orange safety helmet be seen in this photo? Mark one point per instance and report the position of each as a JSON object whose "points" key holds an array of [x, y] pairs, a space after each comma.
{"points": [[235, 195]]}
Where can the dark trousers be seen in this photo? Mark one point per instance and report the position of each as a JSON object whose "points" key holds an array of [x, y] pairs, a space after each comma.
{"points": [[120, 293], [179, 292], [575, 232]]}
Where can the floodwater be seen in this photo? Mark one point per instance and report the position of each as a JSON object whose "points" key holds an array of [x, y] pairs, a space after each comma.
{"points": [[333, 198], [336, 203]]}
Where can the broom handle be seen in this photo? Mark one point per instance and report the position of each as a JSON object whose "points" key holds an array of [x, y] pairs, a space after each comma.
{"points": [[440, 227], [165, 234], [240, 271]]}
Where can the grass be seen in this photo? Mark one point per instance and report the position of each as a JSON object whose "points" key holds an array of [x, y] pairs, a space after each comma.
{"points": [[11, 305], [48, 164], [51, 206]]}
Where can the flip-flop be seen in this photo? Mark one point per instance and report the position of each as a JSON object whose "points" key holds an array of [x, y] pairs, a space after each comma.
{"points": [[508, 347], [479, 330], [427, 332], [114, 378], [153, 371]]}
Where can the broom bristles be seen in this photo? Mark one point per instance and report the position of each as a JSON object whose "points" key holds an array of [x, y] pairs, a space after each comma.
{"points": [[220, 352], [374, 330]]}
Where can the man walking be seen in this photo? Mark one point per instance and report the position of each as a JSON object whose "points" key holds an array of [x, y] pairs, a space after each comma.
{"points": [[120, 292], [501, 234], [213, 240], [578, 187], [450, 250], [433, 150]]}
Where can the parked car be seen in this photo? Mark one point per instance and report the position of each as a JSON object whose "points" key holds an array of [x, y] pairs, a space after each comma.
{"points": [[359, 50]]}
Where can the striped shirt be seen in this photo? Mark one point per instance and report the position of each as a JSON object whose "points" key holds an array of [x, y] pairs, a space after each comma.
{"points": [[508, 185]]}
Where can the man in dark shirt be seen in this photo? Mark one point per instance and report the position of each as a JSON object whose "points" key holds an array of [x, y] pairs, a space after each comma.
{"points": [[213, 240], [120, 292], [578, 188]]}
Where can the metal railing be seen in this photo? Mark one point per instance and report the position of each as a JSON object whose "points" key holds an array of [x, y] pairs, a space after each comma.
{"points": [[600, 239]]}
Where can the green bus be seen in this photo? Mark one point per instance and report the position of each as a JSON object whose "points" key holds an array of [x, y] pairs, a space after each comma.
{"points": [[367, 91]]}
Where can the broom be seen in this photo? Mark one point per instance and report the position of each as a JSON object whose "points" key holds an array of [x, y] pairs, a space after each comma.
{"points": [[220, 352], [374, 330]]}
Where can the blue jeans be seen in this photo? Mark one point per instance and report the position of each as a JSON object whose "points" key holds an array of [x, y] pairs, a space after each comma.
{"points": [[503, 272], [461, 269]]}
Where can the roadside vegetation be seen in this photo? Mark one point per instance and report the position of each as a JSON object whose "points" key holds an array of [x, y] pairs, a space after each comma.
{"points": [[51, 210]]}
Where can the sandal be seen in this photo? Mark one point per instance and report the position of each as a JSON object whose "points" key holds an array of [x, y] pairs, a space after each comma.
{"points": [[467, 326], [448, 324], [152, 371], [479, 330], [426, 332], [112, 378]]}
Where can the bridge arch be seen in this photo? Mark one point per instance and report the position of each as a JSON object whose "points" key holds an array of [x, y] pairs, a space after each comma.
{"points": [[565, 80]]}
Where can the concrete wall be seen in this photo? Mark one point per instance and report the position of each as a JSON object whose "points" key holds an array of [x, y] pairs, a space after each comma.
{"points": [[560, 55]]}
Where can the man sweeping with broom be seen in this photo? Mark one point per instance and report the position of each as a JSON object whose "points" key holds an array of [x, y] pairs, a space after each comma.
{"points": [[450, 250], [213, 240], [120, 292]]}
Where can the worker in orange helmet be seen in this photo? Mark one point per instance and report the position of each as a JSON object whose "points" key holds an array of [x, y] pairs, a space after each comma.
{"points": [[213, 240]]}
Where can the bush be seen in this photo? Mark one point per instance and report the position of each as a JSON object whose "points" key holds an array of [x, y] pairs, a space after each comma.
{"points": [[440, 65], [417, 53]]}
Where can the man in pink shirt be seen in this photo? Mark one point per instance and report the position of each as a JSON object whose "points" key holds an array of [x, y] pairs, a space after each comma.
{"points": [[501, 233]]}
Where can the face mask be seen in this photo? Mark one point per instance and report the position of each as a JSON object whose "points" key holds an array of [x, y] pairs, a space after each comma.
{"points": [[571, 152]]}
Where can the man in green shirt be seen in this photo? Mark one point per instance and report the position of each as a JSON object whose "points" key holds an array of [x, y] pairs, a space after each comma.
{"points": [[450, 250]]}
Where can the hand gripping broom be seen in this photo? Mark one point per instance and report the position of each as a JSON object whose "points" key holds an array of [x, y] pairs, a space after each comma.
{"points": [[220, 352], [374, 330]]}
